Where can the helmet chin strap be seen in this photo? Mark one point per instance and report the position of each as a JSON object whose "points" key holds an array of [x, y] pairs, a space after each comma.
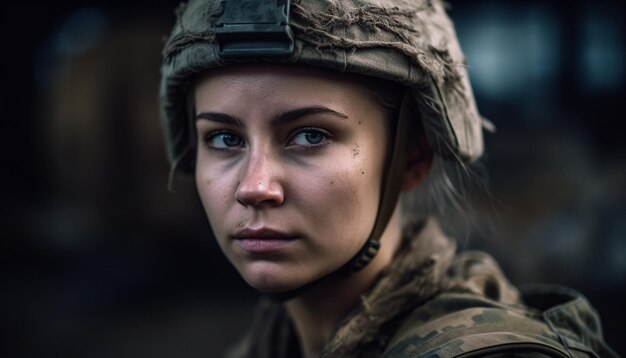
{"points": [[390, 192]]}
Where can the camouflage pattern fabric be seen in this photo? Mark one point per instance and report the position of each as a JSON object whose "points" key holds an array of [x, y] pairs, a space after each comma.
{"points": [[430, 303], [461, 324]]}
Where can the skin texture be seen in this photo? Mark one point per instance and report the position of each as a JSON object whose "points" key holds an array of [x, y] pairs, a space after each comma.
{"points": [[289, 169]]}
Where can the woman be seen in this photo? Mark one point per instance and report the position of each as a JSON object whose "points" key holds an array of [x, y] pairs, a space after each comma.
{"points": [[304, 122]]}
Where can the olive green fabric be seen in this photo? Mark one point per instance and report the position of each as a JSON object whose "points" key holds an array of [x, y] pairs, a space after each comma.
{"points": [[411, 42], [429, 303]]}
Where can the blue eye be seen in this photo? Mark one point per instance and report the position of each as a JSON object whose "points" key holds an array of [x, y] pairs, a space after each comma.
{"points": [[224, 140], [309, 137]]}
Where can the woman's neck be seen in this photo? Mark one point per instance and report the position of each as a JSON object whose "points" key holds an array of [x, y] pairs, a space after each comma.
{"points": [[317, 313]]}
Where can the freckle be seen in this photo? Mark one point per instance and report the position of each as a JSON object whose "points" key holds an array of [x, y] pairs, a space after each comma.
{"points": [[332, 182], [359, 122]]}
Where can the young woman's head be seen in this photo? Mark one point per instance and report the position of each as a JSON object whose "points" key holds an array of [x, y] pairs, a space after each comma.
{"points": [[297, 139], [289, 167]]}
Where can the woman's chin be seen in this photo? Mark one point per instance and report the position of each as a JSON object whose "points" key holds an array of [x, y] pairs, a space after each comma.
{"points": [[271, 285], [271, 279]]}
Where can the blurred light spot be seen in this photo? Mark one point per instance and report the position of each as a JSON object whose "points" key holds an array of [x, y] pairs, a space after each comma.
{"points": [[80, 32], [511, 50], [602, 56]]}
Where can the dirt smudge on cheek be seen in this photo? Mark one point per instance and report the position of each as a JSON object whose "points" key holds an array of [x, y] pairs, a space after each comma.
{"points": [[356, 150], [241, 224]]}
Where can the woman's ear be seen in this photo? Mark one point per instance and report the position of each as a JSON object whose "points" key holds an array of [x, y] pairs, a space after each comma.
{"points": [[419, 162]]}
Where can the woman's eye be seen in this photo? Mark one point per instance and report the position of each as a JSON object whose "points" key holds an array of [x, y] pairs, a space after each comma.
{"points": [[224, 140], [309, 137]]}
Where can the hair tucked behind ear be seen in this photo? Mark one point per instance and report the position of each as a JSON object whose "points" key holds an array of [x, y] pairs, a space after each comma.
{"points": [[448, 191]]}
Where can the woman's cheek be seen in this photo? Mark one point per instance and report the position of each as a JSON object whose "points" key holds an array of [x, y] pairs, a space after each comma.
{"points": [[332, 204], [215, 193]]}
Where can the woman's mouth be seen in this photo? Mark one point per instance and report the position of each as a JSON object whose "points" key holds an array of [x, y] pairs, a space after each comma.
{"points": [[259, 241]]}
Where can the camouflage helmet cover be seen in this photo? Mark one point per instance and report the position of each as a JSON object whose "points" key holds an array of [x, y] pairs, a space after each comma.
{"points": [[409, 42]]}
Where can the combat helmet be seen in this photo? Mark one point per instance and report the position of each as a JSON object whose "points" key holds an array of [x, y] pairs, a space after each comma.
{"points": [[411, 42]]}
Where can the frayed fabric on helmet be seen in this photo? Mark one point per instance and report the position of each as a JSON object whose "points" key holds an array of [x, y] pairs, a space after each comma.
{"points": [[410, 42]]}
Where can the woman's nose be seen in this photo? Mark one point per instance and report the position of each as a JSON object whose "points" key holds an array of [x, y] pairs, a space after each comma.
{"points": [[259, 184]]}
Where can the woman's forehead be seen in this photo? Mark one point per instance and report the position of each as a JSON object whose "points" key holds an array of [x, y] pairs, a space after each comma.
{"points": [[278, 83], [278, 73]]}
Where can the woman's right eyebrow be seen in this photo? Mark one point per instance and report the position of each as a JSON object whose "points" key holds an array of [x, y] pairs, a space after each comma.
{"points": [[220, 118]]}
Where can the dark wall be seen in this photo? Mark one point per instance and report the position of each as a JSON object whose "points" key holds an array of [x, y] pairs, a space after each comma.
{"points": [[99, 259]]}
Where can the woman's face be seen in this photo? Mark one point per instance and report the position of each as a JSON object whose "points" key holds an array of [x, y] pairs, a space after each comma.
{"points": [[289, 168]]}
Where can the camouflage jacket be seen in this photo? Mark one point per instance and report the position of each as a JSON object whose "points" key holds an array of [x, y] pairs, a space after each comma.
{"points": [[431, 303]]}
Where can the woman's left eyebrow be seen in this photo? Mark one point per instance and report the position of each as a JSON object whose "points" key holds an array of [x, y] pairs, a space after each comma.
{"points": [[298, 113]]}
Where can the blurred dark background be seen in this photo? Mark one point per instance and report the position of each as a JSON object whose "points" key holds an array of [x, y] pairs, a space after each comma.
{"points": [[100, 260]]}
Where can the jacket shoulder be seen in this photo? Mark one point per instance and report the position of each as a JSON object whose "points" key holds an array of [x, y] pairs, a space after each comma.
{"points": [[455, 324], [570, 315]]}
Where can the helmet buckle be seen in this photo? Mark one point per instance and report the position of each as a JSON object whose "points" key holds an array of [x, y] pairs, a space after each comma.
{"points": [[253, 28]]}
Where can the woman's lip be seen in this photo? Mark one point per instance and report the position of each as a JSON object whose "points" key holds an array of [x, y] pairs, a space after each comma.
{"points": [[261, 234], [262, 245], [263, 240]]}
